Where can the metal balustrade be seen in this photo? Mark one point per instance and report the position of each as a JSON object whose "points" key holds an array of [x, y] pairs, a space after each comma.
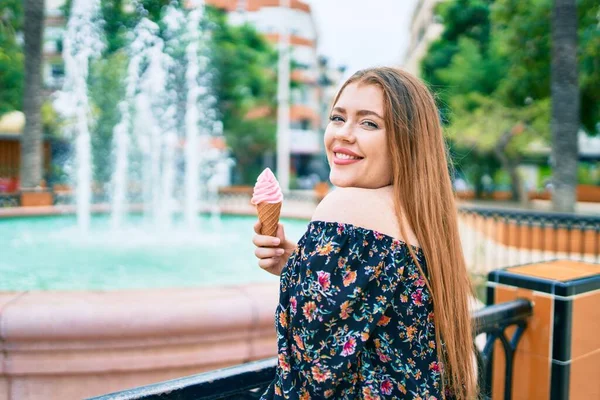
{"points": [[249, 381]]}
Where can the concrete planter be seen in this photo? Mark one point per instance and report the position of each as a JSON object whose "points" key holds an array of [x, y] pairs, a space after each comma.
{"points": [[585, 193], [36, 199], [73, 345], [590, 193]]}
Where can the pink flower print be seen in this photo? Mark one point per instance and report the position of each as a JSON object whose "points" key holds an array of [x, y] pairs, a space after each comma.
{"points": [[349, 347], [285, 366], [417, 297], [309, 310], [430, 317], [386, 387], [340, 229], [434, 366], [420, 282], [383, 357], [293, 304], [324, 279]]}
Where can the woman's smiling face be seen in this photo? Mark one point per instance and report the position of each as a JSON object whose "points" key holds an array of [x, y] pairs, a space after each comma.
{"points": [[356, 139]]}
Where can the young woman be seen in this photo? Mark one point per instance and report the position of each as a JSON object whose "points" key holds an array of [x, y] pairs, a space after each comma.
{"points": [[374, 297]]}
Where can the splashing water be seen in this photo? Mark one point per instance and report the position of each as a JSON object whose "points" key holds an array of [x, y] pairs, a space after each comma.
{"points": [[83, 42]]}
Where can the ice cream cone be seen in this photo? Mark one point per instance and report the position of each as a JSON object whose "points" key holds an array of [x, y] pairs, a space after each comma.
{"points": [[268, 215], [267, 198]]}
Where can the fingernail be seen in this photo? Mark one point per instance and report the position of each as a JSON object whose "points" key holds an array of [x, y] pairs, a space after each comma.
{"points": [[275, 242], [279, 252]]}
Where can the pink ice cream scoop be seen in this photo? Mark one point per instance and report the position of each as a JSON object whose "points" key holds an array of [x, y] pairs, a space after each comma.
{"points": [[267, 189]]}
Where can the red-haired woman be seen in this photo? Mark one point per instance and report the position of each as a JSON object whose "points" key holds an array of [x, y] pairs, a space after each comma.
{"points": [[374, 297]]}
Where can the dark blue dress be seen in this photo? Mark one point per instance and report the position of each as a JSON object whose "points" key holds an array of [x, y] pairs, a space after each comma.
{"points": [[354, 320]]}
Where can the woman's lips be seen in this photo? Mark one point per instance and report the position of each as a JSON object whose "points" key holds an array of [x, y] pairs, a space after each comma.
{"points": [[344, 161]]}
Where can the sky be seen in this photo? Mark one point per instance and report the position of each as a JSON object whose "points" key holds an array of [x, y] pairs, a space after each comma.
{"points": [[363, 33]]}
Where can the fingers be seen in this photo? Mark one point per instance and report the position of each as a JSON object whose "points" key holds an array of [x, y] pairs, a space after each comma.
{"points": [[268, 252], [280, 233], [269, 263], [265, 241], [257, 227]]}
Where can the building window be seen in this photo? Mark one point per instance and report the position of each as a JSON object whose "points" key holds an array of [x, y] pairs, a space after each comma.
{"points": [[57, 71], [303, 124]]}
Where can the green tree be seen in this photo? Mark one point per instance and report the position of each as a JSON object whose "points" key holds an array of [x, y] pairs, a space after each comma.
{"points": [[11, 56], [246, 81], [493, 62], [524, 33]]}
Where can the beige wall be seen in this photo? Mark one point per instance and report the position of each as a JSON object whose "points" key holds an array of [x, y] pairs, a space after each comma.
{"points": [[423, 31]]}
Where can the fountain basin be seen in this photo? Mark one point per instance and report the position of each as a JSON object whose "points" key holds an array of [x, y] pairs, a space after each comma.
{"points": [[72, 345], [180, 311]]}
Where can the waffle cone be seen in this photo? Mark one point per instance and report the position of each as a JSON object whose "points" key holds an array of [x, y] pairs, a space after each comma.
{"points": [[268, 215]]}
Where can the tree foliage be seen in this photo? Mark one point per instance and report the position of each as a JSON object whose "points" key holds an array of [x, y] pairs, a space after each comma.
{"points": [[243, 63], [490, 70], [246, 81], [11, 56]]}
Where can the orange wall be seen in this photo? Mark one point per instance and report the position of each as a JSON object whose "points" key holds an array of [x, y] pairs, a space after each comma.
{"points": [[255, 5], [294, 40]]}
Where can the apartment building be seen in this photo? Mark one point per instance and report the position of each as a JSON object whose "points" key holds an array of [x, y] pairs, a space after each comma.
{"points": [[270, 17], [425, 27]]}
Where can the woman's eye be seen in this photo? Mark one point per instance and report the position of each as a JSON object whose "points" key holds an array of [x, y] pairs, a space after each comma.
{"points": [[371, 124], [336, 118]]}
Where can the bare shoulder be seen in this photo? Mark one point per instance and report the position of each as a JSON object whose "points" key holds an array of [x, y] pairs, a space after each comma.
{"points": [[368, 208]]}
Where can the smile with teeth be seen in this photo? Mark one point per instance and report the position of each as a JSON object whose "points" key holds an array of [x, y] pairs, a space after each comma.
{"points": [[343, 156]]}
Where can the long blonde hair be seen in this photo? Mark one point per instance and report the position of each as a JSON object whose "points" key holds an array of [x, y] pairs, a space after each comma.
{"points": [[423, 193]]}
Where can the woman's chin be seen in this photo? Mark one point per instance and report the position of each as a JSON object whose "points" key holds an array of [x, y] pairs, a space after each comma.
{"points": [[341, 181]]}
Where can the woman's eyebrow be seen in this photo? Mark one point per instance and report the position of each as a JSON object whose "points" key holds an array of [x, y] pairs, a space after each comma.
{"points": [[360, 113]]}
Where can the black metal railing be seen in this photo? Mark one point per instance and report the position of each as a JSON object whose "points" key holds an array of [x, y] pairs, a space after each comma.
{"points": [[10, 200], [497, 238], [249, 381], [493, 321]]}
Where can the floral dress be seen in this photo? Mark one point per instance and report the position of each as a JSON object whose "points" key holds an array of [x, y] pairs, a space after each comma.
{"points": [[354, 320]]}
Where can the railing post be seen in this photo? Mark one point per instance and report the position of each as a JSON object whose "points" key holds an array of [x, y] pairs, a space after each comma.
{"points": [[558, 356]]}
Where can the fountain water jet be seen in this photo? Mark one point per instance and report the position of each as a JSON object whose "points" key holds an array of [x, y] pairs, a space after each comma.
{"points": [[83, 41]]}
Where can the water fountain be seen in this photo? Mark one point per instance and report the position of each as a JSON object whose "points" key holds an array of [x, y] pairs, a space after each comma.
{"points": [[163, 157], [156, 140], [82, 43], [120, 300]]}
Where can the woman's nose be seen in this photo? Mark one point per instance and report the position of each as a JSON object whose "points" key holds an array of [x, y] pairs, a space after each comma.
{"points": [[345, 133]]}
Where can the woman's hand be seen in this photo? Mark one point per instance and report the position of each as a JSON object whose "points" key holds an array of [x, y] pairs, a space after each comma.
{"points": [[272, 252]]}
